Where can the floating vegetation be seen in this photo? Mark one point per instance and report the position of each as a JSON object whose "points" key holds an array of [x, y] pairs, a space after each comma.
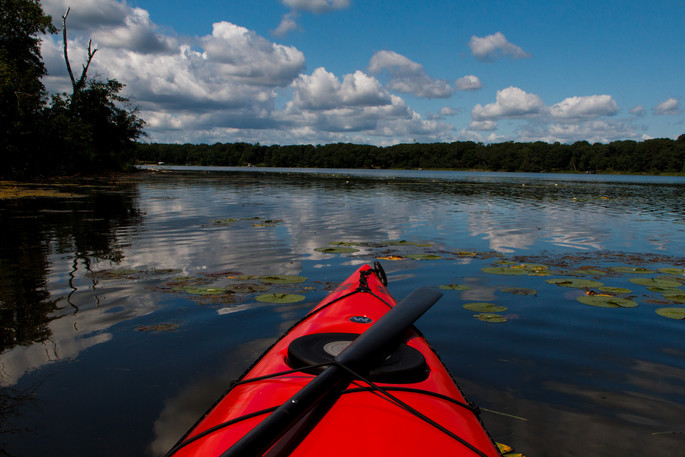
{"points": [[520, 291], [391, 257], [424, 256], [409, 243], [606, 301], [280, 298], [590, 272], [510, 268], [282, 279], [345, 243], [247, 288], [671, 313], [10, 190], [195, 290], [615, 290], [503, 271], [673, 271], [575, 282], [678, 297], [656, 282], [491, 317], [634, 270], [337, 250], [454, 287], [484, 307], [257, 221], [163, 327]]}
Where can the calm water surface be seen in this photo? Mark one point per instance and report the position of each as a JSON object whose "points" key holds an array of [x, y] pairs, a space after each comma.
{"points": [[113, 345]]}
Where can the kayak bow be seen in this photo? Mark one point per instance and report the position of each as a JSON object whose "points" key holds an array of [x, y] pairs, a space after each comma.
{"points": [[353, 377]]}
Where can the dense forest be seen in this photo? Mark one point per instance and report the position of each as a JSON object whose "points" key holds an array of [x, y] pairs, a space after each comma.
{"points": [[650, 156], [89, 130]]}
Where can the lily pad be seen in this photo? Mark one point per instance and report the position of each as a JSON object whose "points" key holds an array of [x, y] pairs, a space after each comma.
{"points": [[671, 313], [615, 290], [635, 270], [676, 297], [282, 279], [194, 290], [490, 317], [503, 271], [336, 250], [590, 272], [655, 282], [280, 298], [390, 257], [575, 282], [605, 301], [454, 287], [408, 243], [484, 307], [673, 271], [424, 256], [666, 290], [247, 288], [520, 291]]}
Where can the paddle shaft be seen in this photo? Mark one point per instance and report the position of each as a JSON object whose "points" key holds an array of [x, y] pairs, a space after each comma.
{"points": [[364, 353]]}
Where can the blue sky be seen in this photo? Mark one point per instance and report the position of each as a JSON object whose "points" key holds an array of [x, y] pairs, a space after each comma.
{"points": [[385, 72]]}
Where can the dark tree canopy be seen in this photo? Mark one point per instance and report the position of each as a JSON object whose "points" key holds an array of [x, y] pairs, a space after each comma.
{"points": [[91, 130]]}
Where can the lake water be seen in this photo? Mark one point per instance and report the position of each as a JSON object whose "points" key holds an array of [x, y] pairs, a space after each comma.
{"points": [[115, 339]]}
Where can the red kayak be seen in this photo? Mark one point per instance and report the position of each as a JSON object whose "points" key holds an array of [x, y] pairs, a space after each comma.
{"points": [[352, 378]]}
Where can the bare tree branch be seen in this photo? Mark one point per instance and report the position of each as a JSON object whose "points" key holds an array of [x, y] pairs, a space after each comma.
{"points": [[76, 85]]}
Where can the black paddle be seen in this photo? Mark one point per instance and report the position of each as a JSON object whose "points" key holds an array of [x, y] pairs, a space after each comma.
{"points": [[364, 353]]}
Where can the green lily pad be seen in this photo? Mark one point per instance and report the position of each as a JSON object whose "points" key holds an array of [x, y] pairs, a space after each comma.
{"points": [[671, 313], [635, 270], [575, 282], [280, 298], [675, 297], [604, 301], [345, 243], [590, 272], [503, 271], [247, 288], [194, 290], [615, 290], [484, 307], [673, 271], [282, 279], [655, 282], [423, 256], [336, 250], [520, 291], [490, 317], [666, 290], [454, 287], [408, 243]]}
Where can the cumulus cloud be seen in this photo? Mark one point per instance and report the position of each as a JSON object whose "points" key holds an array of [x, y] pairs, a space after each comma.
{"points": [[584, 107], [511, 102], [495, 46], [468, 82], [87, 14], [407, 76], [317, 6], [669, 106]]}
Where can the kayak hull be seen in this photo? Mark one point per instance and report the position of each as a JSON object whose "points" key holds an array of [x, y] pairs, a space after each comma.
{"points": [[409, 408]]}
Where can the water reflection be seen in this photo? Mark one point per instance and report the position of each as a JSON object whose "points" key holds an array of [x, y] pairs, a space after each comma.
{"points": [[87, 280]]}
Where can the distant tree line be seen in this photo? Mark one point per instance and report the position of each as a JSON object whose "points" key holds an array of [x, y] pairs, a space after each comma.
{"points": [[90, 130], [650, 156]]}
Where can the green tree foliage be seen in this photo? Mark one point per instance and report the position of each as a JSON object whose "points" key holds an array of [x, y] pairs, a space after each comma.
{"points": [[22, 94], [650, 156], [94, 129]]}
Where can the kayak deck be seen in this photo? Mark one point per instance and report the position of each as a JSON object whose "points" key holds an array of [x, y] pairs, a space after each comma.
{"points": [[409, 406]]}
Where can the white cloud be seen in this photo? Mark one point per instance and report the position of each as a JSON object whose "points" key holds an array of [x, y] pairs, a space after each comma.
{"points": [[483, 125], [512, 102], [87, 14], [408, 77], [639, 111], [317, 6], [495, 46], [288, 24], [447, 111], [468, 82], [669, 106], [584, 107]]}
